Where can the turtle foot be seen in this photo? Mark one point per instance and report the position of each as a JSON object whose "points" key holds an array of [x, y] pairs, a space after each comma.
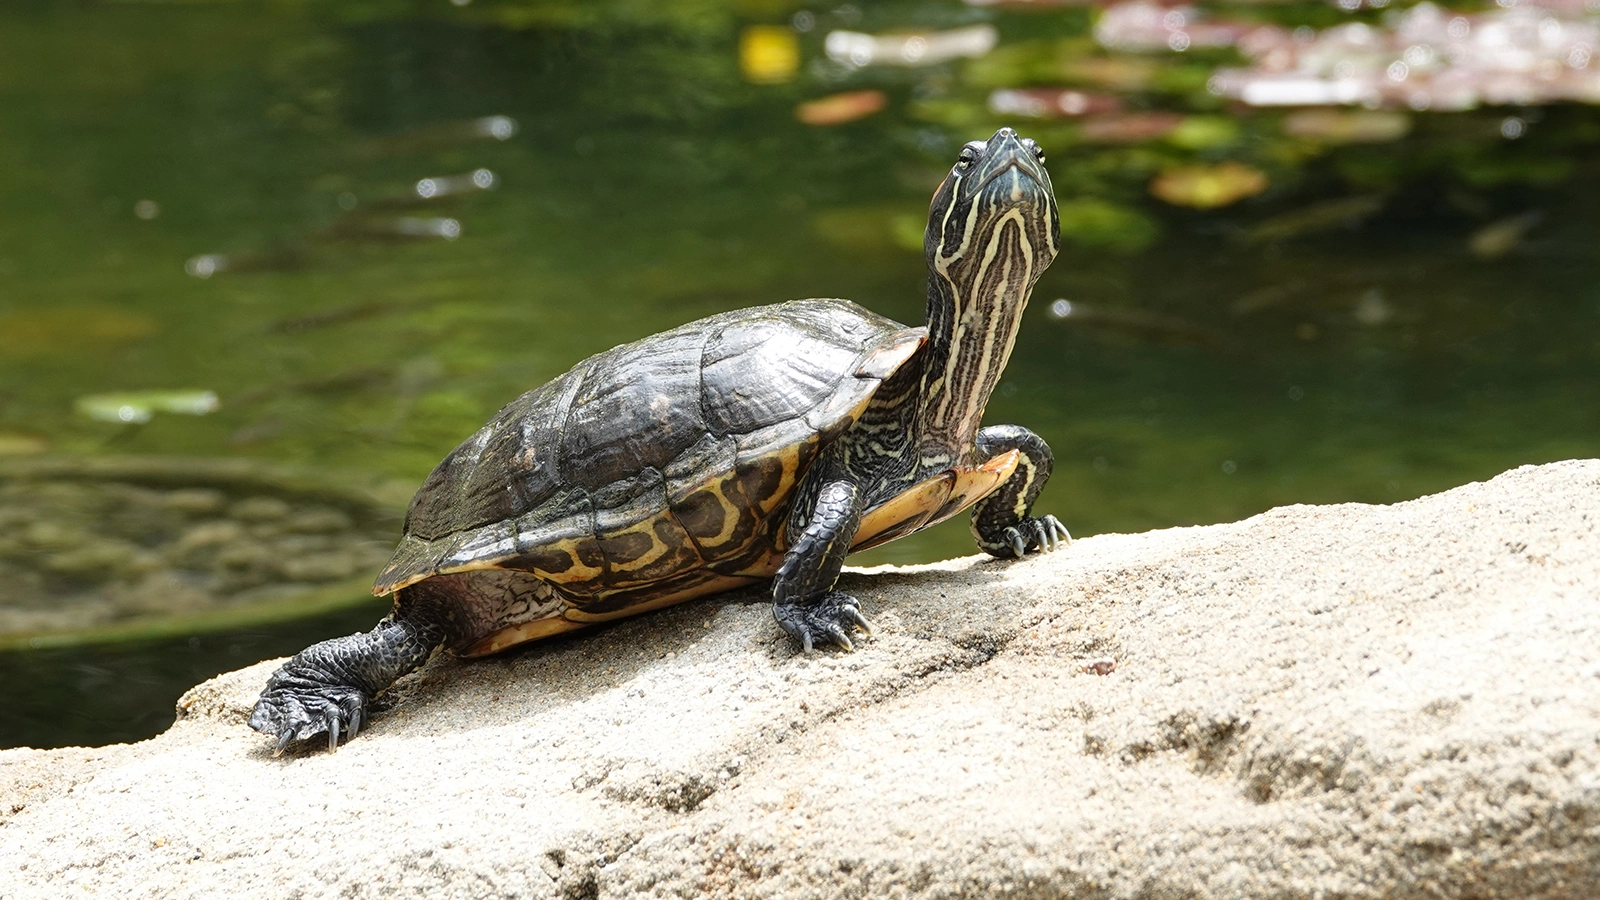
{"points": [[826, 621], [1032, 534], [295, 708]]}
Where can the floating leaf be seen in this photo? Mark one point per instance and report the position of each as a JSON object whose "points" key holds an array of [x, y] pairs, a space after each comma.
{"points": [[1134, 128], [1342, 212], [768, 54], [1502, 236], [836, 109], [1204, 133], [853, 48], [1208, 187], [140, 407], [1051, 103], [1346, 127]]}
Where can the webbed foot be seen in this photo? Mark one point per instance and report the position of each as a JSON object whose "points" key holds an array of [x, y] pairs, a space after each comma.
{"points": [[1031, 534], [828, 620], [296, 705]]}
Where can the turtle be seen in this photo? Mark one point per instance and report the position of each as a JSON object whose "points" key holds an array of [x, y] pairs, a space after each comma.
{"points": [[763, 443]]}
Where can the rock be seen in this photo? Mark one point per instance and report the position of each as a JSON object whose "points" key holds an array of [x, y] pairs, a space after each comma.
{"points": [[1343, 701]]}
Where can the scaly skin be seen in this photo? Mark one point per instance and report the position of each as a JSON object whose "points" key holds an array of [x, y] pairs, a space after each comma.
{"points": [[1003, 522], [327, 687], [804, 601]]}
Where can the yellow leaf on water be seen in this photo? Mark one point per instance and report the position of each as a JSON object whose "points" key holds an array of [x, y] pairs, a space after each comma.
{"points": [[1208, 187], [768, 54], [836, 109]]}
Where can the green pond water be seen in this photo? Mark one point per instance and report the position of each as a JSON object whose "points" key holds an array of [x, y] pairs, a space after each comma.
{"points": [[1210, 364]]}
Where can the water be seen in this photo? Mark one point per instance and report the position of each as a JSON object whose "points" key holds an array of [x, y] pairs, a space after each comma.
{"points": [[1210, 365]]}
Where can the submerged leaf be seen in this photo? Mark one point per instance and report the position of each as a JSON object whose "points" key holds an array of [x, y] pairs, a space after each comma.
{"points": [[42, 332], [14, 444]]}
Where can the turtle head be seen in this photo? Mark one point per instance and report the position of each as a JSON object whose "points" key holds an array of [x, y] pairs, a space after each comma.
{"points": [[992, 230], [995, 207]]}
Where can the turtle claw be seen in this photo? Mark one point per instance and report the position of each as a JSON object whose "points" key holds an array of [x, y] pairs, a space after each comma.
{"points": [[296, 707], [1036, 533], [858, 620], [825, 621]]}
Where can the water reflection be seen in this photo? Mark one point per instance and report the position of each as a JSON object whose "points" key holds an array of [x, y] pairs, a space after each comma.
{"points": [[476, 180], [438, 135], [1140, 325]]}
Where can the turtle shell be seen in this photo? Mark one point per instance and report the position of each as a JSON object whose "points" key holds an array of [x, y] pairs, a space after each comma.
{"points": [[650, 473]]}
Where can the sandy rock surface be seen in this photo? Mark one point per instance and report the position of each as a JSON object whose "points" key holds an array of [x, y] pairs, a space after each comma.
{"points": [[1343, 701]]}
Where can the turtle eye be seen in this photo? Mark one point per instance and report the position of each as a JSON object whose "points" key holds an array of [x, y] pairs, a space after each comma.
{"points": [[969, 155], [1038, 151]]}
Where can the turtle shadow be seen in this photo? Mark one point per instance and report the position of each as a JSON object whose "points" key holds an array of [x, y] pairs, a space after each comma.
{"points": [[449, 694], [578, 665]]}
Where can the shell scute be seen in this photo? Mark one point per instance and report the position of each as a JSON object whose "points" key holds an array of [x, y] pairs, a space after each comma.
{"points": [[629, 501], [766, 375], [629, 415], [699, 466]]}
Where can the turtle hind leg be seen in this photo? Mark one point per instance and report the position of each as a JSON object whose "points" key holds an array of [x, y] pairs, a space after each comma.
{"points": [[328, 687], [1003, 522], [804, 601]]}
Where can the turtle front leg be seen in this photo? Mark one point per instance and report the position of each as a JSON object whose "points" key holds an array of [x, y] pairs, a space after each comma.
{"points": [[1003, 522], [327, 686], [804, 601]]}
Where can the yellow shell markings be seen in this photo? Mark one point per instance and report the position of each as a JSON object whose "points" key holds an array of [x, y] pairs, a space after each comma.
{"points": [[713, 585], [693, 506], [655, 547], [788, 477], [576, 572], [520, 634]]}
